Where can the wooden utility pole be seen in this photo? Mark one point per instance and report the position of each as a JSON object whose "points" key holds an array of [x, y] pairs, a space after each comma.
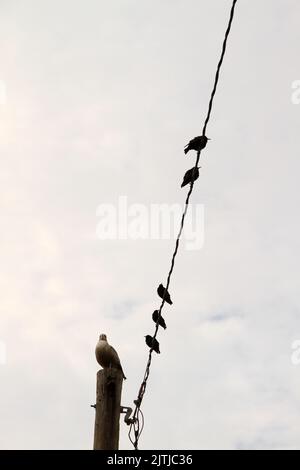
{"points": [[108, 405]]}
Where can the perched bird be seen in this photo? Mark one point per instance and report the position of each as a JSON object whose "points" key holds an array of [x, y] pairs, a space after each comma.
{"points": [[152, 343], [161, 321], [106, 355], [164, 294], [197, 143], [191, 175]]}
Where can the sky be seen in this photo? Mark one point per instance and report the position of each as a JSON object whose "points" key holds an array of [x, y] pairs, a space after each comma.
{"points": [[97, 100]]}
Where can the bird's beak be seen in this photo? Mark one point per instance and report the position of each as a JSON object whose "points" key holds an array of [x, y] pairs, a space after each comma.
{"points": [[208, 138]]}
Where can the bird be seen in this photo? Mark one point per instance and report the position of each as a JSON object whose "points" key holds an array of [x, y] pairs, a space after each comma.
{"points": [[190, 176], [164, 294], [197, 143], [161, 321], [106, 355], [152, 343]]}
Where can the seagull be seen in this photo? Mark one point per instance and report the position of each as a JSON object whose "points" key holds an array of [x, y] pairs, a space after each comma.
{"points": [[164, 294], [190, 176], [197, 143], [152, 343], [161, 321], [106, 355]]}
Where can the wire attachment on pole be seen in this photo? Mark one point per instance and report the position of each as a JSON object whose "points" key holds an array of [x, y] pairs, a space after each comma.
{"points": [[127, 410]]}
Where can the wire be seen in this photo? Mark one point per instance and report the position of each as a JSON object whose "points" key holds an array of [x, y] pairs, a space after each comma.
{"points": [[137, 415]]}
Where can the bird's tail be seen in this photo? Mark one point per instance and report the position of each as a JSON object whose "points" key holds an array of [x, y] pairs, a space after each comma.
{"points": [[121, 369], [183, 184], [186, 149]]}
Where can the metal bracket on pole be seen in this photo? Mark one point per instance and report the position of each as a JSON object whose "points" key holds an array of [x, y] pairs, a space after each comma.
{"points": [[127, 410]]}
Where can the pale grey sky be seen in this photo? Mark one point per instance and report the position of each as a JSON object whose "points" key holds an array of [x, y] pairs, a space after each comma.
{"points": [[101, 98]]}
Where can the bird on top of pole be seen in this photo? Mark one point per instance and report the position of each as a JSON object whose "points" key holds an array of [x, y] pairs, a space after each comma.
{"points": [[107, 356], [197, 143]]}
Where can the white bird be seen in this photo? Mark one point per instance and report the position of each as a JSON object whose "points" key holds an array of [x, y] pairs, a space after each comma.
{"points": [[106, 355]]}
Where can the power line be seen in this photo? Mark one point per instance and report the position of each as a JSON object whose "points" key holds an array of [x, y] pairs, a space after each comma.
{"points": [[138, 422]]}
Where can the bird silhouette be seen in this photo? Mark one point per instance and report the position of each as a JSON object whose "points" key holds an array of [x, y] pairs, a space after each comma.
{"points": [[164, 294], [161, 321], [197, 143], [152, 343], [107, 356], [191, 175]]}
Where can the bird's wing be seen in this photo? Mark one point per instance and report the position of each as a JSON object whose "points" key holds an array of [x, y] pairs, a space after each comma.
{"points": [[115, 355]]}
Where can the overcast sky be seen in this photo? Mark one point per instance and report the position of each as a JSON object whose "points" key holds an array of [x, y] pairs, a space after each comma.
{"points": [[100, 99]]}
